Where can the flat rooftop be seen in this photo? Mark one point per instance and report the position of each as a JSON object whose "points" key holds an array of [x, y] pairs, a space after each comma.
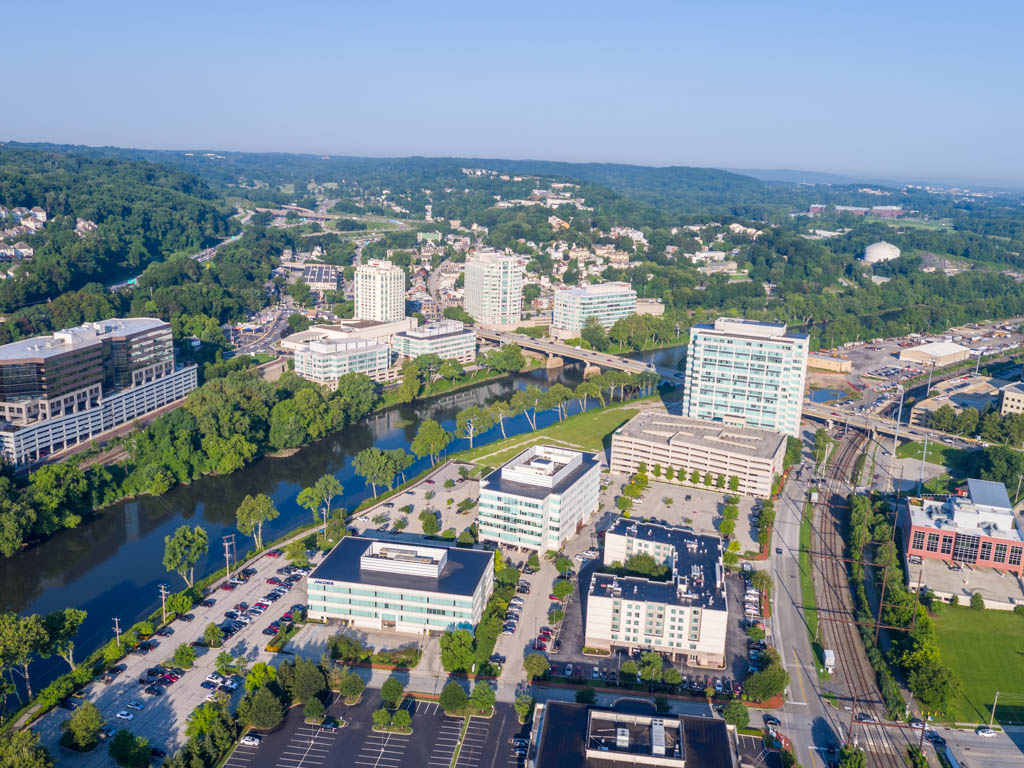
{"points": [[696, 581], [461, 574], [68, 339], [569, 731], [539, 468], [597, 289], [939, 348], [750, 329], [667, 429]]}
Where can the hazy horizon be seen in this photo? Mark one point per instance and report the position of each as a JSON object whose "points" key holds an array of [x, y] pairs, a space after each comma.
{"points": [[886, 92]]}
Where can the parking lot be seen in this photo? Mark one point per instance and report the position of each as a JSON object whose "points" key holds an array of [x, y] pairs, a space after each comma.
{"points": [[162, 718], [432, 743], [390, 510]]}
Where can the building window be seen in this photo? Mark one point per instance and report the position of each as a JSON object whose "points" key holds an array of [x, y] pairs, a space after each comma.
{"points": [[1015, 553], [933, 542], [947, 546], [1000, 553], [986, 550], [918, 540]]}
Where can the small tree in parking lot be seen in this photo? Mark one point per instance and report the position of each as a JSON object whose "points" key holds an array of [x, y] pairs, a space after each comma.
{"points": [[313, 710], [351, 687], [673, 676], [391, 692], [213, 635], [523, 706], [562, 589], [184, 656], [587, 695], [533, 562], [453, 697], [129, 751], [535, 665]]}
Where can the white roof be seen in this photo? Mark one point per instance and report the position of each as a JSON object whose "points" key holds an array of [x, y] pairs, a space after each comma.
{"points": [[940, 348]]}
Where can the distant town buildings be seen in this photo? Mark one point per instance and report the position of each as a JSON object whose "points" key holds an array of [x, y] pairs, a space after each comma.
{"points": [[744, 372], [449, 339], [539, 499], [379, 292], [494, 287], [684, 616], [607, 302], [60, 390], [401, 584], [753, 456]]}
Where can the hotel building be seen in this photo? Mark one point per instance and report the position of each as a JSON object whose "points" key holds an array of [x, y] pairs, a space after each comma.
{"points": [[379, 288], [684, 617], [494, 287]]}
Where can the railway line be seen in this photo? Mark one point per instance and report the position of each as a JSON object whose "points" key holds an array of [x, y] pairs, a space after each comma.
{"points": [[885, 745]]}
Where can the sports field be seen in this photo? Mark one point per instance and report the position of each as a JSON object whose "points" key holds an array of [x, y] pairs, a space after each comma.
{"points": [[986, 650]]}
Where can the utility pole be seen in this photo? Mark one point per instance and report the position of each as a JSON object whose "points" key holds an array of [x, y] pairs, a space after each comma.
{"points": [[896, 435], [163, 602], [924, 458], [117, 630], [992, 716], [229, 542]]}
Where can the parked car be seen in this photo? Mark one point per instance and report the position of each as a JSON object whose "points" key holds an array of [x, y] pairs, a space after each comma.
{"points": [[187, 617], [124, 714], [250, 740], [985, 732]]}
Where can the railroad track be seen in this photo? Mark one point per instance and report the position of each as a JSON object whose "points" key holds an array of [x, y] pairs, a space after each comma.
{"points": [[885, 746]]}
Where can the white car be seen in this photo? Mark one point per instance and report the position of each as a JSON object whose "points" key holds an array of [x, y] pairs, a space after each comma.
{"points": [[250, 740], [137, 705], [984, 731], [590, 554], [213, 677], [124, 714]]}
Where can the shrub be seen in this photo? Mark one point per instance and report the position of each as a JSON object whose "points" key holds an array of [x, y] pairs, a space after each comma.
{"points": [[977, 601]]}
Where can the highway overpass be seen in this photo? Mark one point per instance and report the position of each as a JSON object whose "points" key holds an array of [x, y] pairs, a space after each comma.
{"points": [[566, 352]]}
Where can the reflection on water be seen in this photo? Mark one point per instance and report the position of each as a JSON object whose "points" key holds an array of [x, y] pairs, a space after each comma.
{"points": [[111, 564]]}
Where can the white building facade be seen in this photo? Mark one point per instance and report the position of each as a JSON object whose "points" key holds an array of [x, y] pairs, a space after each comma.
{"points": [[326, 360], [747, 373], [607, 302], [379, 288], [449, 339], [539, 499], [494, 288], [685, 617], [401, 584]]}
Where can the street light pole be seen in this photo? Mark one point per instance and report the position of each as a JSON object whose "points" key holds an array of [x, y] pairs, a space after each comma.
{"points": [[896, 434]]}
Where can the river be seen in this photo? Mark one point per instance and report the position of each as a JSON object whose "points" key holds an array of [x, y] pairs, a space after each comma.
{"points": [[110, 566]]}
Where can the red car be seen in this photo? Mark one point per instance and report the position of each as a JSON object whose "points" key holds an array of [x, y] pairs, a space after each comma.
{"points": [[261, 605], [273, 580], [553, 596], [429, 482], [227, 586], [287, 616], [274, 553]]}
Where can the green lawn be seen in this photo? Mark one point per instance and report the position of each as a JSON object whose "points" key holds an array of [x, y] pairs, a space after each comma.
{"points": [[986, 650], [583, 430], [938, 453]]}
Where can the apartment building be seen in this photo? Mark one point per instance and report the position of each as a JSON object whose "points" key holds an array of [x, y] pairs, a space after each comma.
{"points": [[539, 499], [755, 457], [59, 390], [379, 288], [1011, 399], [326, 360], [684, 617], [449, 339], [607, 302], [978, 528], [321, 277], [747, 373], [401, 584], [494, 287]]}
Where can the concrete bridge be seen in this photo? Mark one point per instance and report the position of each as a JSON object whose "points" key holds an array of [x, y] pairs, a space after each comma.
{"points": [[567, 352]]}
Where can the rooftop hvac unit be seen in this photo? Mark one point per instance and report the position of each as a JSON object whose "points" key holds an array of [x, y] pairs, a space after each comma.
{"points": [[622, 737], [657, 736]]}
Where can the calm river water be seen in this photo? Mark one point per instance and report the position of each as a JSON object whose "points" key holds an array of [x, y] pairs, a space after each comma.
{"points": [[111, 564]]}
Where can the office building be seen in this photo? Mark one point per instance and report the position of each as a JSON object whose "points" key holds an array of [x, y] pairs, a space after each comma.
{"points": [[325, 360], [570, 735], [494, 287], [539, 499], [401, 584], [607, 302], [978, 528], [379, 288], [382, 333], [60, 390], [745, 372], [448, 338], [755, 457], [684, 617]]}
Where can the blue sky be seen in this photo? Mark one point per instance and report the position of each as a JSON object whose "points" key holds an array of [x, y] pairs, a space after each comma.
{"points": [[901, 89]]}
